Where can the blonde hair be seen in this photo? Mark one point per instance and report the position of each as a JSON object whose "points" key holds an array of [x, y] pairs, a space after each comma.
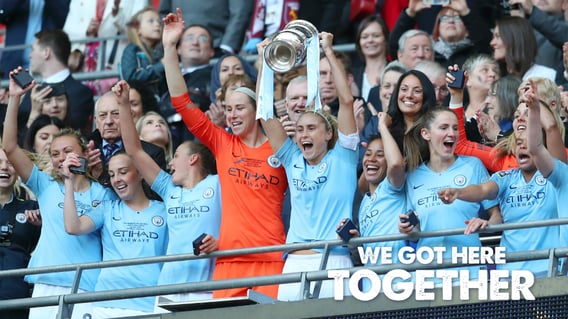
{"points": [[132, 29], [169, 147], [550, 97], [330, 124]]}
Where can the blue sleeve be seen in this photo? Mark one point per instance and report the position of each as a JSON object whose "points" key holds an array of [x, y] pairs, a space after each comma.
{"points": [[136, 65]]}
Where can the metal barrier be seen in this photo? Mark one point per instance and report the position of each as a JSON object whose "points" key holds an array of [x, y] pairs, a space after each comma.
{"points": [[63, 301]]}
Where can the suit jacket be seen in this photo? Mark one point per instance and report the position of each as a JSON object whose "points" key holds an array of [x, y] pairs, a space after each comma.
{"points": [[226, 20], [155, 152], [15, 15], [80, 107]]}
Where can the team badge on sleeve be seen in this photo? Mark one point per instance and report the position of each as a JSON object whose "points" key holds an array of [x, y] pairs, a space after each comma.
{"points": [[274, 161]]}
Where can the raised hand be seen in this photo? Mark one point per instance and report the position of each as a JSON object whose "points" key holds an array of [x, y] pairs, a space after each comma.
{"points": [[121, 92], [174, 25], [14, 88]]}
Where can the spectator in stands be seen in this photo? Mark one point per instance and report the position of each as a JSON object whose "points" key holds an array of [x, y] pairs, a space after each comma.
{"points": [[49, 192], [555, 171], [501, 157], [141, 59], [192, 187], [551, 95], [23, 20], [482, 71], [414, 46], [458, 31], [114, 220], [331, 146], [195, 50], [50, 52], [141, 99], [437, 75], [152, 128], [414, 95], [106, 139], [226, 66], [101, 19], [55, 104], [371, 43], [379, 96], [41, 132], [551, 30], [269, 17], [243, 195], [515, 48], [296, 98], [432, 164], [496, 120], [19, 239], [38, 139], [226, 21]]}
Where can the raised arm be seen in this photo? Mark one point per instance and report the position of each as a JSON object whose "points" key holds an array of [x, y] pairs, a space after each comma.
{"points": [[173, 30], [345, 117], [22, 163], [272, 127], [74, 224], [471, 193], [395, 161], [542, 158], [143, 162]]}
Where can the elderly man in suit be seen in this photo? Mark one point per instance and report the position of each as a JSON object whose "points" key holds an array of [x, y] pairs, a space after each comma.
{"points": [[107, 138]]}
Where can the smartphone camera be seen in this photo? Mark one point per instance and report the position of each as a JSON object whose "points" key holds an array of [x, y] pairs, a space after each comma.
{"points": [[344, 233], [81, 169], [197, 242], [23, 79], [459, 79], [412, 218]]}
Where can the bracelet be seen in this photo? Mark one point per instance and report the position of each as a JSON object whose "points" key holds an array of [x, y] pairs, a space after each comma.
{"points": [[181, 101]]}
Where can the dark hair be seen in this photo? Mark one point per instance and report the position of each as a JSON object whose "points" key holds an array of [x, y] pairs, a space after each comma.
{"points": [[506, 92], [343, 58], [147, 97], [216, 80], [40, 122], [58, 41], [416, 149], [150, 194], [398, 127], [208, 164], [520, 42], [363, 25]]}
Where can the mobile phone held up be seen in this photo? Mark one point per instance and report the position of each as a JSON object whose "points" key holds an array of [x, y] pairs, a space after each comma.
{"points": [[412, 218], [23, 79], [81, 169], [197, 242], [459, 79], [436, 2], [344, 233]]}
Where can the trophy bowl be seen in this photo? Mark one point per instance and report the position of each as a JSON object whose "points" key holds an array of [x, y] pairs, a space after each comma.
{"points": [[288, 47]]}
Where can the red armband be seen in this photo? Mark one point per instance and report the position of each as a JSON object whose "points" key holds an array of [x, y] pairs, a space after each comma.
{"points": [[181, 101]]}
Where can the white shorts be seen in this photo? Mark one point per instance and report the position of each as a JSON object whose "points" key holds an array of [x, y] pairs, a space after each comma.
{"points": [[302, 263], [43, 290]]}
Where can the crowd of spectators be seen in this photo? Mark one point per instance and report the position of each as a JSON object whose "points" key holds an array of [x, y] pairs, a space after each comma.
{"points": [[180, 146]]}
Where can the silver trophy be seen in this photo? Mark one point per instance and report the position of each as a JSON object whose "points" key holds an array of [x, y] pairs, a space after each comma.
{"points": [[288, 47]]}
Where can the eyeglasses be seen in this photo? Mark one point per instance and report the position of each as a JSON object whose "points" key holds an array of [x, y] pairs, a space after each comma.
{"points": [[200, 38], [450, 18]]}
